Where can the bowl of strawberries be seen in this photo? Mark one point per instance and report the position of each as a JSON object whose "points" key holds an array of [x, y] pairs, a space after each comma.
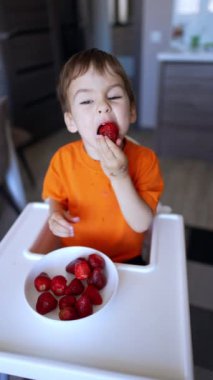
{"points": [[71, 283]]}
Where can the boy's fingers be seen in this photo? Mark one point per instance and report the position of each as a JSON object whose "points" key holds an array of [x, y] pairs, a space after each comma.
{"points": [[106, 146], [61, 230], [119, 142], [111, 148], [66, 232], [115, 148], [60, 226], [73, 219]]}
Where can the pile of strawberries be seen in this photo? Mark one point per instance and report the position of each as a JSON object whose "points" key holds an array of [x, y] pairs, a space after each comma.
{"points": [[76, 297]]}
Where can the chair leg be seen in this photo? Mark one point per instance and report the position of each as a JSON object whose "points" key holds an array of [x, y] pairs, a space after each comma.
{"points": [[26, 167], [7, 195]]}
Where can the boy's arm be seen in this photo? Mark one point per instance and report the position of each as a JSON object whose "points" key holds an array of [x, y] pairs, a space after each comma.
{"points": [[60, 221], [115, 165], [135, 211]]}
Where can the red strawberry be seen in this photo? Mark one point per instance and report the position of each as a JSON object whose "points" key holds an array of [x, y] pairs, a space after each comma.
{"points": [[66, 301], [46, 302], [94, 295], [58, 285], [70, 268], [42, 282], [96, 261], [68, 313], [110, 130], [84, 306], [98, 278], [75, 287], [82, 269]]}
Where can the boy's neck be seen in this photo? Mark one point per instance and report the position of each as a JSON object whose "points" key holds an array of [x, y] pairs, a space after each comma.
{"points": [[90, 152]]}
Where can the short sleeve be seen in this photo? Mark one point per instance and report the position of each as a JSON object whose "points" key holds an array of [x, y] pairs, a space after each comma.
{"points": [[53, 185], [148, 179]]}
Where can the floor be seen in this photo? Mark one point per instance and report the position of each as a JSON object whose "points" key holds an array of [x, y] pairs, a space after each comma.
{"points": [[188, 190]]}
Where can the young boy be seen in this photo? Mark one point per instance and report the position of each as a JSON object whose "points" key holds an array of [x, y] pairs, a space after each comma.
{"points": [[102, 194]]}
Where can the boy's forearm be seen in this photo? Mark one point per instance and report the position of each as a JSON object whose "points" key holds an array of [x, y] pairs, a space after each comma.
{"points": [[135, 211]]}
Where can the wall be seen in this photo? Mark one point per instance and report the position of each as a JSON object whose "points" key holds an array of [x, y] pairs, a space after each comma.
{"points": [[136, 45], [95, 22], [156, 34]]}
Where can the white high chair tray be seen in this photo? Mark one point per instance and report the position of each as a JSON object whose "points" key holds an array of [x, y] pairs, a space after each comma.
{"points": [[143, 334]]}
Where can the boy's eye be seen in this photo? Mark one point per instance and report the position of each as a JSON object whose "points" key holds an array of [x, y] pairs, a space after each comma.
{"points": [[115, 97], [86, 102]]}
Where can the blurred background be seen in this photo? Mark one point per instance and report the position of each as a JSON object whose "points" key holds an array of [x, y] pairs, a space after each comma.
{"points": [[166, 47]]}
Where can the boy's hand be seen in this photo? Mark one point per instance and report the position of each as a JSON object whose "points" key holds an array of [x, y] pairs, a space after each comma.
{"points": [[60, 223], [113, 160]]}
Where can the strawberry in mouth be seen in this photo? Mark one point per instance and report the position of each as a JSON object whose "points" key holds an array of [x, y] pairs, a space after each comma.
{"points": [[110, 130]]}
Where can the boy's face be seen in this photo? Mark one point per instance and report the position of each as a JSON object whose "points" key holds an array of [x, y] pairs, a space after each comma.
{"points": [[94, 99]]}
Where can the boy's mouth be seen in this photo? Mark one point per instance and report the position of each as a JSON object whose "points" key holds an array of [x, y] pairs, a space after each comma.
{"points": [[110, 130]]}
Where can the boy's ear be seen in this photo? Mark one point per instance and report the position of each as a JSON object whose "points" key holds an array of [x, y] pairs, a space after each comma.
{"points": [[133, 114], [70, 122]]}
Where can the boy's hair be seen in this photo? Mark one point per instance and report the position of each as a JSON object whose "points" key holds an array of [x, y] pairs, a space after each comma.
{"points": [[78, 65]]}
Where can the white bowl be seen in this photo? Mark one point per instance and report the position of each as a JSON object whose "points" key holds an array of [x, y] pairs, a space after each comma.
{"points": [[54, 263]]}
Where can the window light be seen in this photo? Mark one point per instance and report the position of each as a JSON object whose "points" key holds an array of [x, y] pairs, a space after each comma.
{"points": [[188, 6], [210, 6]]}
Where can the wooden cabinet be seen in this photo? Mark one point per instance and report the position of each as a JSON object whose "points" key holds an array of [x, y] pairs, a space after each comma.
{"points": [[185, 110], [33, 46]]}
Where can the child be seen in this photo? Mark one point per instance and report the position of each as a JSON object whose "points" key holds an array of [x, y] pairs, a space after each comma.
{"points": [[102, 194]]}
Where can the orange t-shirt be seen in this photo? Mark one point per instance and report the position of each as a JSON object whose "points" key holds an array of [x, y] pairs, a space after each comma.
{"points": [[78, 182]]}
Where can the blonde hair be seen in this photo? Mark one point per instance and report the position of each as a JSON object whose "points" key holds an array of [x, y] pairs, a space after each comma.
{"points": [[78, 65]]}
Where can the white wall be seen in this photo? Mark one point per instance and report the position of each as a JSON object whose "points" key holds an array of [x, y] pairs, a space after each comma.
{"points": [[155, 37], [94, 16]]}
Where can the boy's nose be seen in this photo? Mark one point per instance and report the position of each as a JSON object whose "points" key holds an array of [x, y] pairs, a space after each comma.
{"points": [[103, 108]]}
